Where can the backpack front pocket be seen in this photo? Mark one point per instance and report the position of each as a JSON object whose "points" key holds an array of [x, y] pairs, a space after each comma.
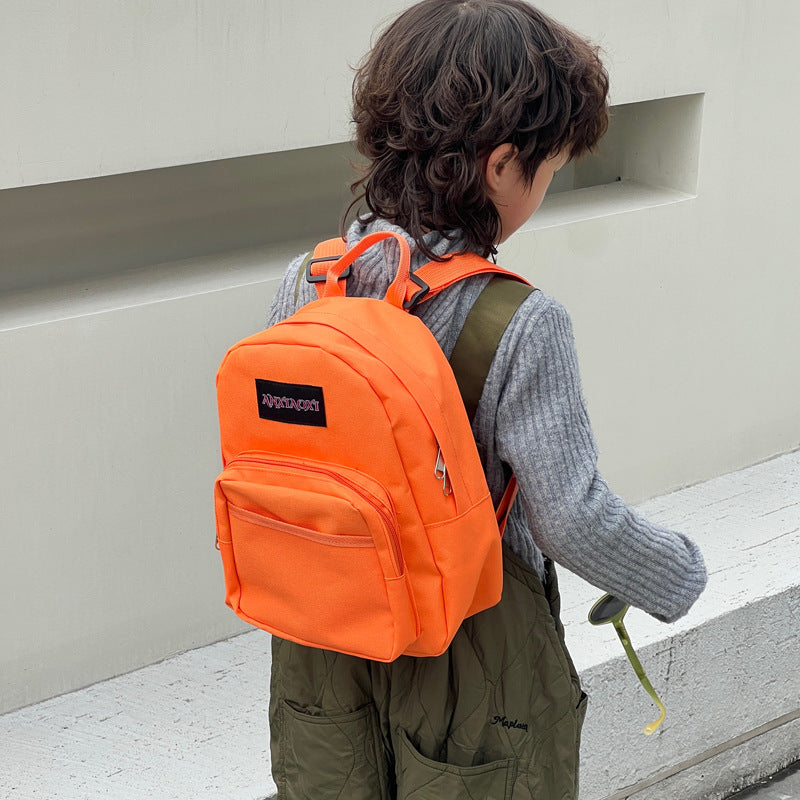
{"points": [[311, 553]]}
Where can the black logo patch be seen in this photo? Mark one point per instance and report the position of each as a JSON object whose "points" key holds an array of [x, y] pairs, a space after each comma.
{"points": [[294, 403]]}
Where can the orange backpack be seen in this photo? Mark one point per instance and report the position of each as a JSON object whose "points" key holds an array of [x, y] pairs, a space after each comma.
{"points": [[352, 512]]}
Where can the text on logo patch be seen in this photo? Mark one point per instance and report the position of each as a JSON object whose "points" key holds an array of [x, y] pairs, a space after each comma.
{"points": [[293, 403]]}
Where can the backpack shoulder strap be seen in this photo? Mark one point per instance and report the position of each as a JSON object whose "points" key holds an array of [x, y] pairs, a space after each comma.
{"points": [[435, 276]]}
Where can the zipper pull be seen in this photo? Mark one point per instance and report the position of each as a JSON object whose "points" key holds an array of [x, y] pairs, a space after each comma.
{"points": [[440, 473]]}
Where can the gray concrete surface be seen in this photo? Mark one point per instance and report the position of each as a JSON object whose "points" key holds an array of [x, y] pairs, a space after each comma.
{"points": [[783, 786], [194, 726], [727, 672]]}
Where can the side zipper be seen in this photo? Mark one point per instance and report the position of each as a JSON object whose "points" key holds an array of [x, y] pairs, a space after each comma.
{"points": [[440, 472]]}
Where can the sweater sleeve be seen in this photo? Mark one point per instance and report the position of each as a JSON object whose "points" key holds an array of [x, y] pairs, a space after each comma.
{"points": [[574, 517]]}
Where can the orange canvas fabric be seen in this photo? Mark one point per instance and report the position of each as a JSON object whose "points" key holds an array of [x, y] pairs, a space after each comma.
{"points": [[352, 511]]}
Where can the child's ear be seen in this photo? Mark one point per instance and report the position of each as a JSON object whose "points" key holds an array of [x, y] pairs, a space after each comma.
{"points": [[496, 172]]}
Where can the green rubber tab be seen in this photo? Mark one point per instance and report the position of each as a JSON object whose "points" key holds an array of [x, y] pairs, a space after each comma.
{"points": [[483, 328]]}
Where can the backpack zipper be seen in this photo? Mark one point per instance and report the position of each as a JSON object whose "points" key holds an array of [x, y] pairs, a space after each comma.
{"points": [[440, 472], [393, 538]]}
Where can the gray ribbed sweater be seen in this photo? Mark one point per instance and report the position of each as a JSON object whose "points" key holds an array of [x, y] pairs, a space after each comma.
{"points": [[532, 416]]}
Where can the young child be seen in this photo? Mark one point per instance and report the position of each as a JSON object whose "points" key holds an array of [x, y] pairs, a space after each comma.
{"points": [[464, 110]]}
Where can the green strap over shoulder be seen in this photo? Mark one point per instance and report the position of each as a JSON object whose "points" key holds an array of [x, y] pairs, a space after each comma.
{"points": [[483, 328], [300, 275]]}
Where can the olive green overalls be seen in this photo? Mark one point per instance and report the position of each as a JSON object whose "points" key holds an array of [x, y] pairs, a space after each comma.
{"points": [[495, 717]]}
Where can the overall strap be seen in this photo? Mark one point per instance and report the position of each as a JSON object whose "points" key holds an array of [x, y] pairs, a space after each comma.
{"points": [[483, 328], [316, 263], [474, 352]]}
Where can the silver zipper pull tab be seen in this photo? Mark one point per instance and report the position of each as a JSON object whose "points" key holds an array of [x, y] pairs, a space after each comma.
{"points": [[440, 470], [440, 473]]}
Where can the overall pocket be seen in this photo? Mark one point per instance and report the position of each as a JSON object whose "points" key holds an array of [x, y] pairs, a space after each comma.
{"points": [[311, 553], [332, 757], [421, 778]]}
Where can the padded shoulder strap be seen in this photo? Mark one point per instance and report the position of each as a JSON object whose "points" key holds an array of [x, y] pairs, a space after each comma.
{"points": [[433, 277]]}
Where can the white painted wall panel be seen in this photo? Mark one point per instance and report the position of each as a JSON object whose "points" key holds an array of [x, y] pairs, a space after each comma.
{"points": [[98, 88], [95, 88], [106, 520]]}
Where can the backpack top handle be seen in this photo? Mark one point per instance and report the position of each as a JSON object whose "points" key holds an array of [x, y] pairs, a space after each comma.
{"points": [[396, 293]]}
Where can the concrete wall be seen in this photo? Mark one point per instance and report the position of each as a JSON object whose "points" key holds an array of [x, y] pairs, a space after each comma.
{"points": [[143, 145]]}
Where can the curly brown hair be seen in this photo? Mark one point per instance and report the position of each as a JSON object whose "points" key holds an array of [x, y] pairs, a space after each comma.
{"points": [[446, 83]]}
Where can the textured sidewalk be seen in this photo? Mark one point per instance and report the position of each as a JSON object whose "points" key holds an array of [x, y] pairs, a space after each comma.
{"points": [[193, 727], [783, 786]]}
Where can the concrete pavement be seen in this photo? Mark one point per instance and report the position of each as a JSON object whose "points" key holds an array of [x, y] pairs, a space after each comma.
{"points": [[783, 786]]}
